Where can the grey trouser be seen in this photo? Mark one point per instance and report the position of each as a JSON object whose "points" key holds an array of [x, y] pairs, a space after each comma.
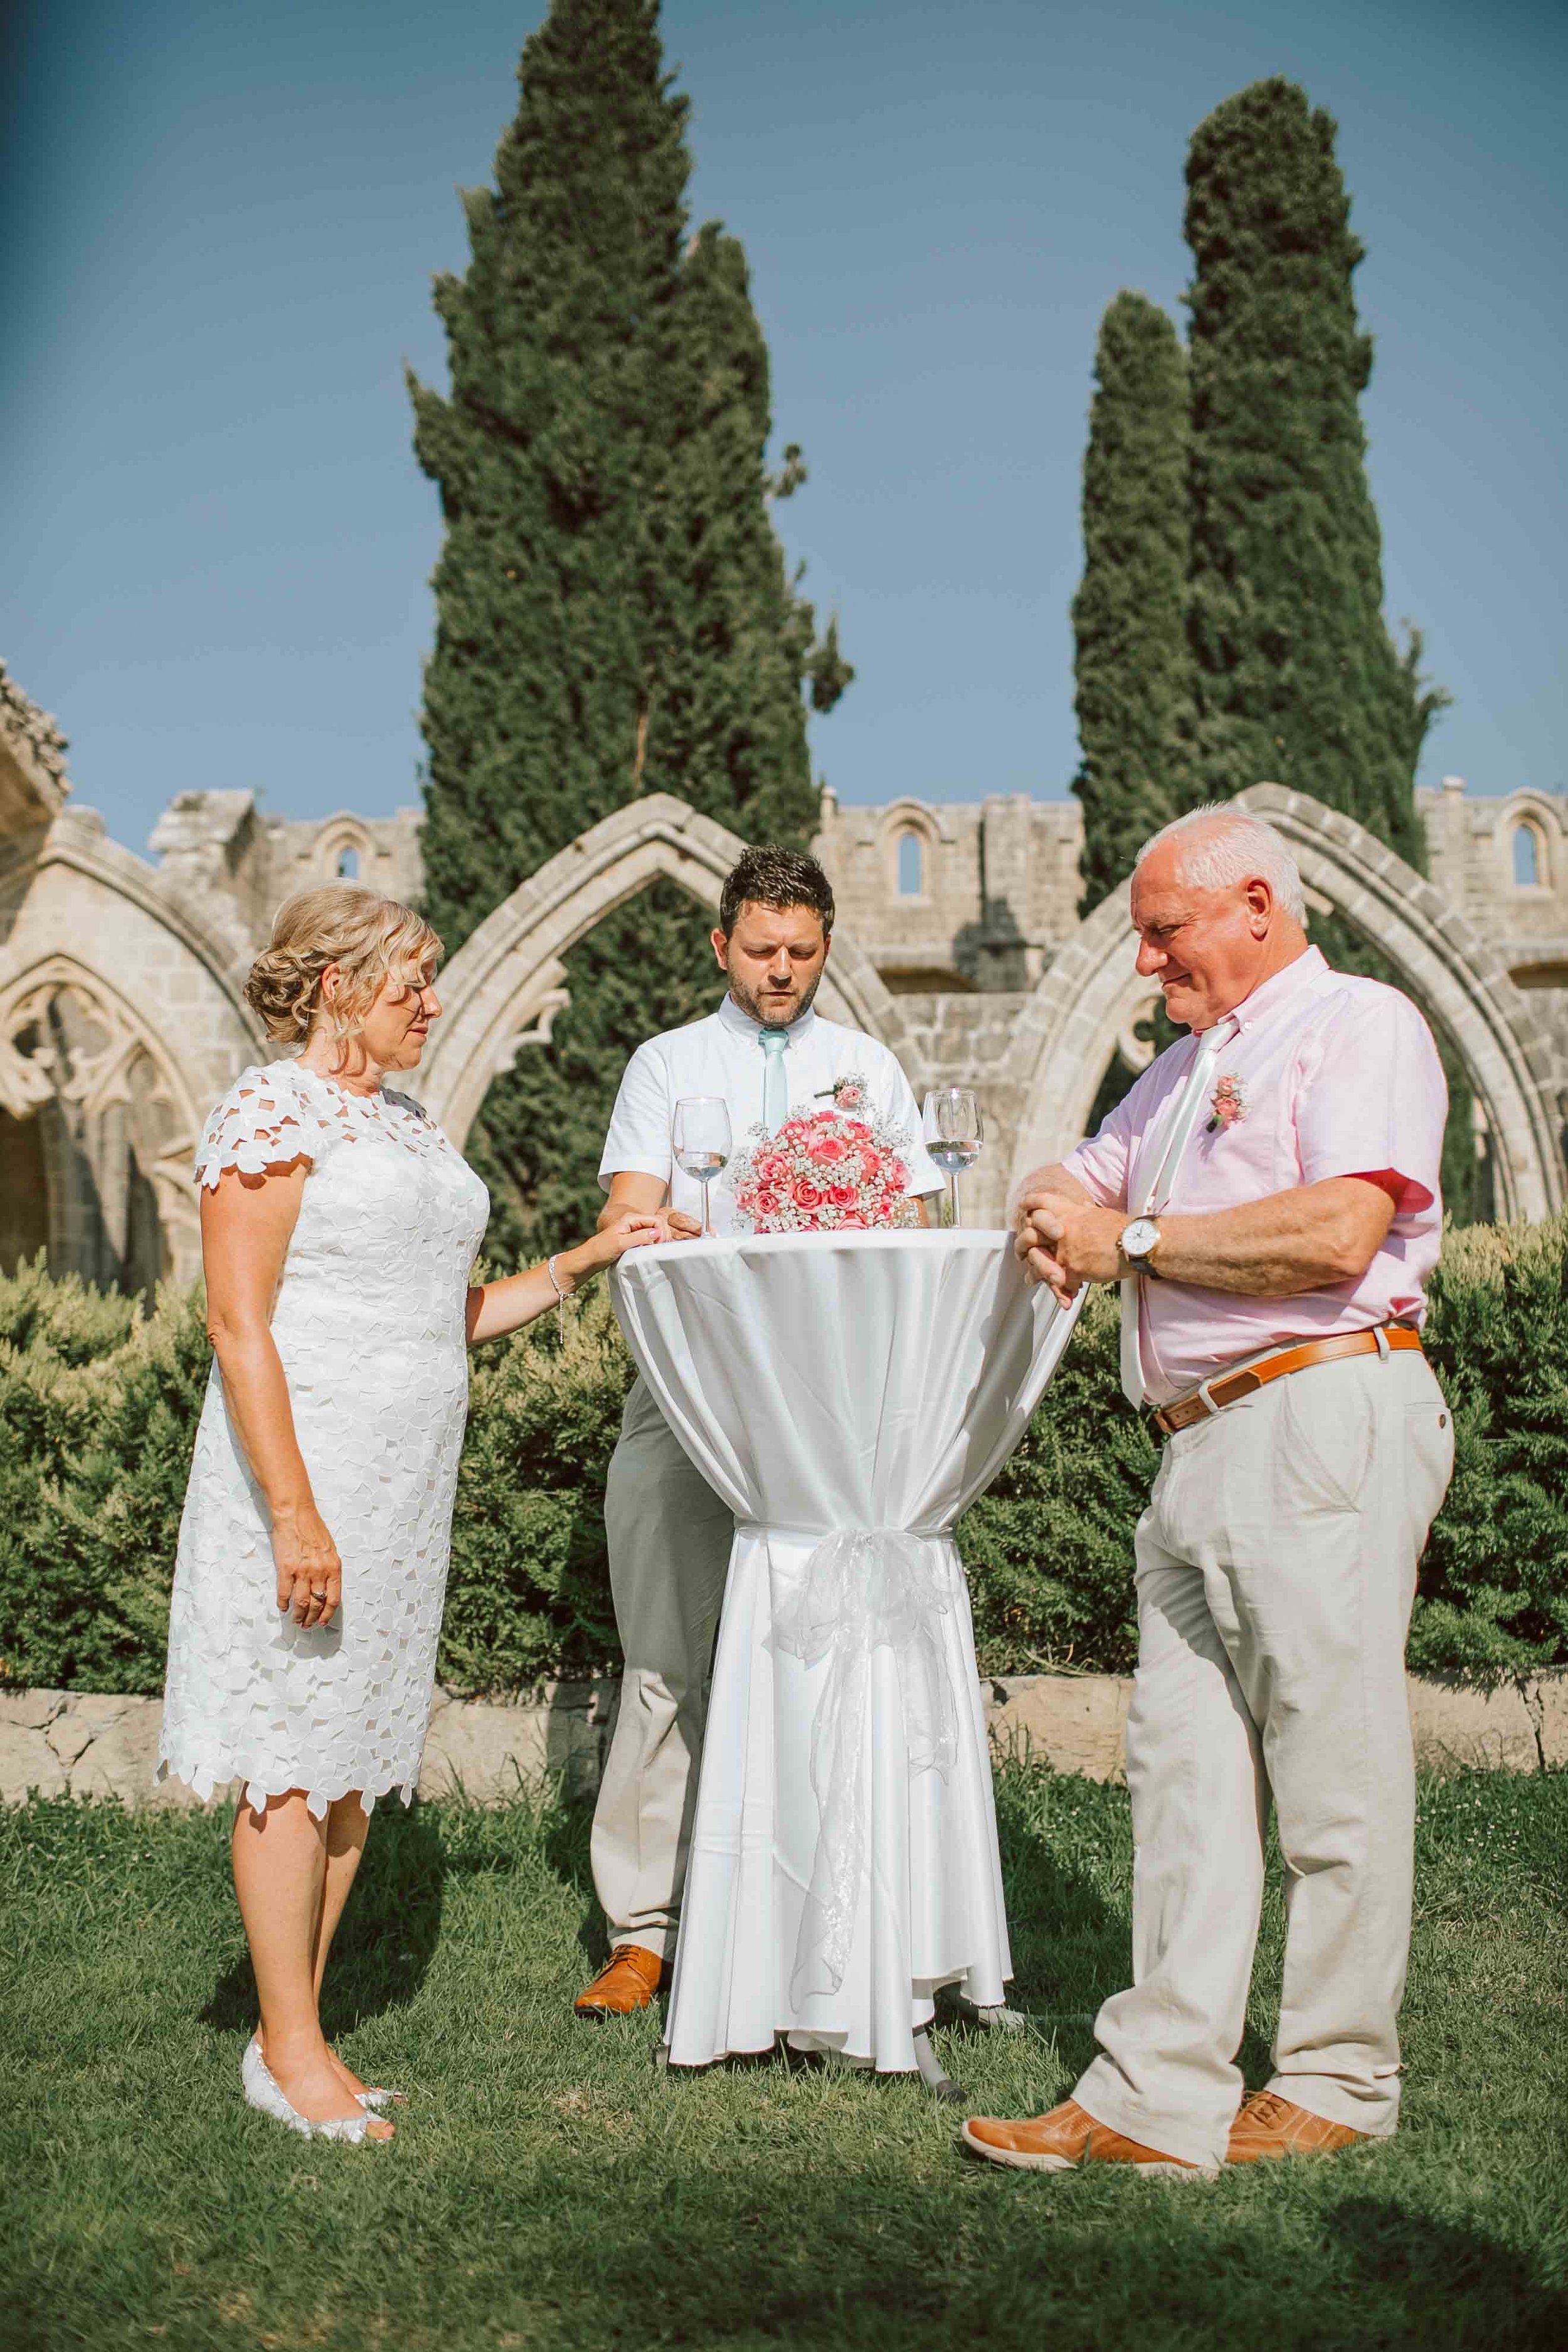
{"points": [[1275, 1571], [669, 1539]]}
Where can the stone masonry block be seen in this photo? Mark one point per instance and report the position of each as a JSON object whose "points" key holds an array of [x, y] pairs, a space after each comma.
{"points": [[30, 1710], [119, 1761], [28, 1763], [87, 1715]]}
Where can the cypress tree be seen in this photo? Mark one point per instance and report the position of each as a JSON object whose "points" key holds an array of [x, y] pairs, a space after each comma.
{"points": [[614, 616], [1132, 663], [1297, 678]]}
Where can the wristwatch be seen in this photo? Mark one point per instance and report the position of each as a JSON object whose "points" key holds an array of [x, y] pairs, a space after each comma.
{"points": [[1138, 1241]]}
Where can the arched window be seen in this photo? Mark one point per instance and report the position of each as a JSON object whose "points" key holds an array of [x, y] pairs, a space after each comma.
{"points": [[912, 865], [1527, 860], [348, 866]]}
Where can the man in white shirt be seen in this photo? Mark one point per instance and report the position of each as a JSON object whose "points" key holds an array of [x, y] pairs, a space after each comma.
{"points": [[767, 1054]]}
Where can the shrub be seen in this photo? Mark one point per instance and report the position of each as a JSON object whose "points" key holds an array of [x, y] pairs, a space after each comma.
{"points": [[98, 1412], [1494, 1583], [99, 1404], [1049, 1549], [529, 1591]]}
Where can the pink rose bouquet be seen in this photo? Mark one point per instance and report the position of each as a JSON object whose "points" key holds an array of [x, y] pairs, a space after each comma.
{"points": [[834, 1170]]}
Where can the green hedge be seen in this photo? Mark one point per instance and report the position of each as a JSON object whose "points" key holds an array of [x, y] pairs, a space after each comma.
{"points": [[98, 1407]]}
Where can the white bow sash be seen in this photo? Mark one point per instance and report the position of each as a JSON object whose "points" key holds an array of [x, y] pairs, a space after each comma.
{"points": [[862, 1589]]}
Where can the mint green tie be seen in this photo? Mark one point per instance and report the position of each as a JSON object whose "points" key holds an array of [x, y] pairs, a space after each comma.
{"points": [[776, 1079]]}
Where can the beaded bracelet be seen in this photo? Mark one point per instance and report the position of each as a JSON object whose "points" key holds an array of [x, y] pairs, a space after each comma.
{"points": [[561, 1298]]}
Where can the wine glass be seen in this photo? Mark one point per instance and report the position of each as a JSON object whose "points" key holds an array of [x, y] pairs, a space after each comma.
{"points": [[953, 1132], [702, 1140]]}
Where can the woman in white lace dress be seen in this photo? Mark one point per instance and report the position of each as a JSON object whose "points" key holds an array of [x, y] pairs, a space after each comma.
{"points": [[339, 1228]]}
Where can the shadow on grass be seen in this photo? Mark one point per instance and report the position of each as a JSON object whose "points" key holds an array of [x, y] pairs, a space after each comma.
{"points": [[1071, 1949], [1431, 2272], [387, 1937], [877, 2263]]}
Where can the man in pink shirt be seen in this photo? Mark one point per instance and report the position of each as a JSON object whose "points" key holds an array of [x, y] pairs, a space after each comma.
{"points": [[1268, 1197]]}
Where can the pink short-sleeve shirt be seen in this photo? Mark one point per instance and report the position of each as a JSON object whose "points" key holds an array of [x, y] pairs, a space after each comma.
{"points": [[1327, 1075]]}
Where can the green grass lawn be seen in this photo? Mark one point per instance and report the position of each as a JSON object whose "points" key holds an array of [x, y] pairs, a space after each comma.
{"points": [[550, 2187]]}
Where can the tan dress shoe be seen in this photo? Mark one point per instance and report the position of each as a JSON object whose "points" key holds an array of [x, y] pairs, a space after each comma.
{"points": [[1270, 2126], [629, 1980], [1068, 2137]]}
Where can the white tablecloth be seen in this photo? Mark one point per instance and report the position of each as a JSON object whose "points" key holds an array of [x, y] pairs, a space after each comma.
{"points": [[863, 1388]]}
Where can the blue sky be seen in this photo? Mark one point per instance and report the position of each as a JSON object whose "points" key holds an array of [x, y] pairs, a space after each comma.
{"points": [[222, 220]]}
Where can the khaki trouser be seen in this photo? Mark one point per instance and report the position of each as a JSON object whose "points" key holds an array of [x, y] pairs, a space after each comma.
{"points": [[669, 1539], [1275, 1571]]}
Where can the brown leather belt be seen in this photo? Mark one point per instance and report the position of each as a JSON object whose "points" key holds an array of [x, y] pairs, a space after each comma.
{"points": [[1231, 1387]]}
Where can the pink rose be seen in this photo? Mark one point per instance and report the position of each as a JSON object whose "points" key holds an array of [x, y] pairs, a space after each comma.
{"points": [[857, 1130], [855, 1220], [870, 1167], [847, 1094], [898, 1175], [842, 1195], [827, 1147], [767, 1203], [806, 1194]]}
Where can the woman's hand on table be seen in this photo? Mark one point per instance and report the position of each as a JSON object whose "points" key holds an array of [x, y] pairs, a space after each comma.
{"points": [[502, 1306], [635, 1230], [675, 1225], [631, 1190], [309, 1573]]}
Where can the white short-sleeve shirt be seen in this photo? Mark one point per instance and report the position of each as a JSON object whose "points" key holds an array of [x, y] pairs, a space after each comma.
{"points": [[723, 1055]]}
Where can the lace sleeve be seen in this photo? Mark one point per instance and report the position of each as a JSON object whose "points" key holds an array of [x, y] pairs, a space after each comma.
{"points": [[262, 1120]]}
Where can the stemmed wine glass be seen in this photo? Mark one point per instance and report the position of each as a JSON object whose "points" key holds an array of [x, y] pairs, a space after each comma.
{"points": [[953, 1132], [702, 1139]]}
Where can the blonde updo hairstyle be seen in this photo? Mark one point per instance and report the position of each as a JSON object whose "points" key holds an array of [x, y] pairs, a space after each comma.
{"points": [[369, 938]]}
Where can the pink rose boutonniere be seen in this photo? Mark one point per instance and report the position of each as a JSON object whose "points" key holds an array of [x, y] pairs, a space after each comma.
{"points": [[1229, 1104]]}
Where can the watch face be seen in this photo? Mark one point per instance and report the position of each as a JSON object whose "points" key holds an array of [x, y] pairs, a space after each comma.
{"points": [[1139, 1237]]}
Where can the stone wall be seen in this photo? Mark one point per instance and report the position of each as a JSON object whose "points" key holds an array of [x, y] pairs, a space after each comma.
{"points": [[959, 945], [1513, 890], [86, 1745], [1505, 862], [988, 893], [968, 1041], [232, 866], [33, 784]]}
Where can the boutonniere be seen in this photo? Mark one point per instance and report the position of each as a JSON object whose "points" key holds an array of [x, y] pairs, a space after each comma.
{"points": [[849, 1093], [1229, 1104]]}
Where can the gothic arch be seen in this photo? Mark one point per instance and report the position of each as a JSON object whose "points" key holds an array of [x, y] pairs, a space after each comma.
{"points": [[121, 1023], [1091, 992], [120, 1124], [506, 982]]}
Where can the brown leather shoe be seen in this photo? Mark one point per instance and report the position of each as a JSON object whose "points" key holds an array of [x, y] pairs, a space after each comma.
{"points": [[1068, 2137], [629, 1980], [1270, 2126]]}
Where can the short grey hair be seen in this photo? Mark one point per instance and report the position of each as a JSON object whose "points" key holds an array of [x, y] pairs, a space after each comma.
{"points": [[1228, 846]]}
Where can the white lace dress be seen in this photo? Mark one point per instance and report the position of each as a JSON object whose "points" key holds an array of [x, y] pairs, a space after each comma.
{"points": [[369, 1324]]}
